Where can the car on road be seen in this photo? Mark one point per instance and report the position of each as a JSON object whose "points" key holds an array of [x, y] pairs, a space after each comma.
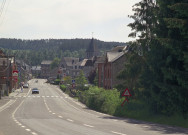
{"points": [[35, 91], [26, 85]]}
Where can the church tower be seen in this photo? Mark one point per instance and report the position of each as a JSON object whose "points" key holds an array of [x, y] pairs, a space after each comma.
{"points": [[92, 50]]}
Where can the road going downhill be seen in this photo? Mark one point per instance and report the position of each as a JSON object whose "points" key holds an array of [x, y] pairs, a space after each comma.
{"points": [[52, 112]]}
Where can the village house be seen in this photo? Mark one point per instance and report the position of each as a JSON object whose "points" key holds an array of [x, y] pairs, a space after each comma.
{"points": [[45, 68], [110, 65], [36, 71], [69, 66]]}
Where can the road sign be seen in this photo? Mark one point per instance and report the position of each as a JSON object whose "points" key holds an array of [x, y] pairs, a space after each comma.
{"points": [[15, 73], [126, 93], [73, 81]]}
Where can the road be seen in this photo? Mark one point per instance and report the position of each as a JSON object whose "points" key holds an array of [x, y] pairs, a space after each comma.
{"points": [[51, 112]]}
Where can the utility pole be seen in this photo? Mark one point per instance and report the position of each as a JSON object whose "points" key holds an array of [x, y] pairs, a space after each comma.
{"points": [[7, 79]]}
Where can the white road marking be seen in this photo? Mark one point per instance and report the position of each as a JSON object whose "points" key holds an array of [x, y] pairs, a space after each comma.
{"points": [[47, 96], [8, 104], [33, 133], [118, 133], [70, 120], [53, 113], [28, 130], [60, 116], [50, 111], [88, 125], [52, 96], [146, 126], [23, 126], [57, 96]]}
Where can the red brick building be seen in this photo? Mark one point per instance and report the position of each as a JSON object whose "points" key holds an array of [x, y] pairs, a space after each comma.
{"points": [[110, 65]]}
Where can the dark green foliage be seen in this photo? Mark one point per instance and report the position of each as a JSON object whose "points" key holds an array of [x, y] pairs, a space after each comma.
{"points": [[55, 63], [57, 81], [81, 81], [92, 76], [100, 99], [63, 87], [163, 38]]}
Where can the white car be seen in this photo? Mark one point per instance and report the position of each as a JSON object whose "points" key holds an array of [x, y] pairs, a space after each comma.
{"points": [[35, 91]]}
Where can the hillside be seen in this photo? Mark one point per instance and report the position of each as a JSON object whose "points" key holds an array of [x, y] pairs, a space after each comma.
{"points": [[34, 51]]}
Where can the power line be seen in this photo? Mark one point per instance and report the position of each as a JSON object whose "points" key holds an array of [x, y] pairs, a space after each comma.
{"points": [[2, 7], [3, 16]]}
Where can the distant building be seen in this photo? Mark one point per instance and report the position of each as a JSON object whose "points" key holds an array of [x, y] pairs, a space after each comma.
{"points": [[92, 50], [36, 71], [7, 66], [45, 68], [89, 65], [24, 71], [110, 65], [69, 66]]}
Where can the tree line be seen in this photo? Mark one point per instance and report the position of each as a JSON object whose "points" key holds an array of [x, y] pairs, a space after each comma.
{"points": [[157, 67], [34, 51]]}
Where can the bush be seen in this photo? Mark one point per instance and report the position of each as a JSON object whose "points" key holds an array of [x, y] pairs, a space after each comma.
{"points": [[63, 87], [57, 81], [101, 100]]}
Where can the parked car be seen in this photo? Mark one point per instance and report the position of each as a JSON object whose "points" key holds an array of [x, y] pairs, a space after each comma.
{"points": [[26, 85], [35, 91]]}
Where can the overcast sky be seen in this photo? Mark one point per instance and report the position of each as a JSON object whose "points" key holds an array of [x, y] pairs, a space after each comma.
{"points": [[43, 19]]}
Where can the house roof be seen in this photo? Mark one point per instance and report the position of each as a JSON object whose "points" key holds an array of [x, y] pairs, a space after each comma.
{"points": [[83, 63], [113, 56], [70, 61], [46, 62], [2, 53], [36, 68], [118, 49]]}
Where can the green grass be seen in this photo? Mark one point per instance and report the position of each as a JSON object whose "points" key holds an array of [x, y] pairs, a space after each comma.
{"points": [[139, 111]]}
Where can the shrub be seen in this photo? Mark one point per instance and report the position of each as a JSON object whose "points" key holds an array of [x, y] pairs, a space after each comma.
{"points": [[63, 87], [101, 100], [57, 81]]}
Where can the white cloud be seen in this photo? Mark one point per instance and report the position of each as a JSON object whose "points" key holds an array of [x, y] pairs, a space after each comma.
{"points": [[68, 19]]}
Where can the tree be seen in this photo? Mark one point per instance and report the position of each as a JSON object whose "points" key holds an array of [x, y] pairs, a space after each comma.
{"points": [[163, 34], [81, 80], [55, 63]]}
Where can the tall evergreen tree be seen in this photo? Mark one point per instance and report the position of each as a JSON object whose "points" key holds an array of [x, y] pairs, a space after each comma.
{"points": [[163, 33]]}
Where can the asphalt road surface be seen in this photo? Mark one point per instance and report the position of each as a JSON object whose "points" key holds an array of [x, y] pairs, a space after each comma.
{"points": [[51, 112]]}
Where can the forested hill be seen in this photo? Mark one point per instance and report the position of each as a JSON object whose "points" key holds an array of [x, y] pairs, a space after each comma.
{"points": [[63, 44], [33, 52]]}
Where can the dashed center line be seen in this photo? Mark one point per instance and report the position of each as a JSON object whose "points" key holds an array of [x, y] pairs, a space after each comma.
{"points": [[33, 133], [118, 133], [60, 116], [28, 130], [88, 125], [70, 120]]}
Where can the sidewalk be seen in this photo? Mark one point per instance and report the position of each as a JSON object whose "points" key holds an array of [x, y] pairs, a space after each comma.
{"points": [[6, 99]]}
